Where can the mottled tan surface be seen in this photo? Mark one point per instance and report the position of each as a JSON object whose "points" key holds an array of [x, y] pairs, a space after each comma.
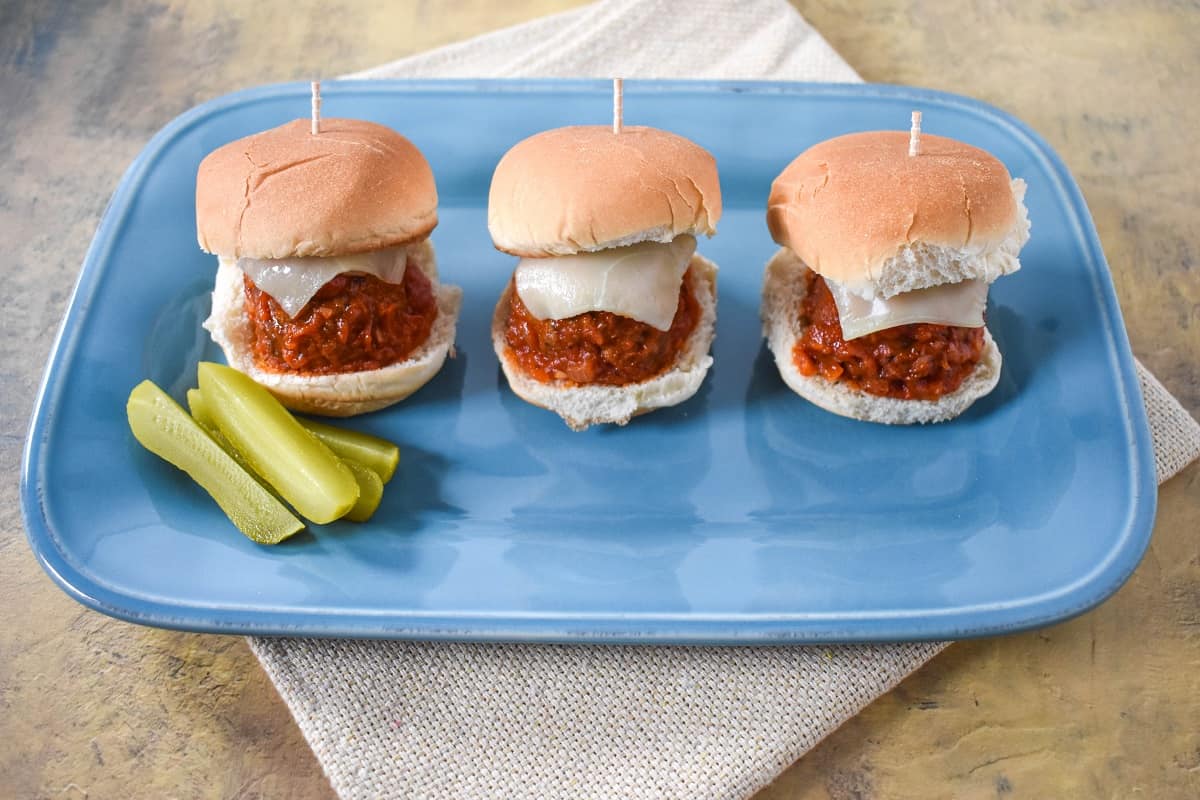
{"points": [[1107, 705]]}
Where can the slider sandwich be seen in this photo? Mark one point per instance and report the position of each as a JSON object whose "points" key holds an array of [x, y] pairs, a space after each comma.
{"points": [[327, 291], [610, 312], [874, 308]]}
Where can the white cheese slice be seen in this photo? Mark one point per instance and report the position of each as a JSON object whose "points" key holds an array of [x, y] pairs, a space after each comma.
{"points": [[640, 281], [294, 281], [959, 304]]}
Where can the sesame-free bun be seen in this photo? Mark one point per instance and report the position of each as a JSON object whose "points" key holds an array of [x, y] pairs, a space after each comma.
{"points": [[581, 406], [355, 186], [584, 188], [784, 289], [343, 394], [860, 211]]}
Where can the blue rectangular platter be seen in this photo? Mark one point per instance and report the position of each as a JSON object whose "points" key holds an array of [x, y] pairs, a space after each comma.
{"points": [[744, 515]]}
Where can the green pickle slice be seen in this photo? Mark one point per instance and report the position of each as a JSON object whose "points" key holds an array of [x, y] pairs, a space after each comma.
{"points": [[166, 430], [202, 415], [370, 491], [200, 411], [379, 454], [296, 463]]}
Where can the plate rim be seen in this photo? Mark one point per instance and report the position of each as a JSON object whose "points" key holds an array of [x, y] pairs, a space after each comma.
{"points": [[1085, 593]]}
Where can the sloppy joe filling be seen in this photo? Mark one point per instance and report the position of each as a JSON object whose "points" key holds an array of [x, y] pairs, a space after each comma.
{"points": [[354, 322], [908, 362], [597, 347]]}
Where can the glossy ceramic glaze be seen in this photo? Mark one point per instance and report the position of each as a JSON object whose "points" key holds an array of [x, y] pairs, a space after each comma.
{"points": [[743, 515]]}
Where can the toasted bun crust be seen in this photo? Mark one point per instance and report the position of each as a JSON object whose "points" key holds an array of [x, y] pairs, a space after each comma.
{"points": [[584, 188], [783, 290], [348, 393], [860, 211], [355, 186], [581, 406]]}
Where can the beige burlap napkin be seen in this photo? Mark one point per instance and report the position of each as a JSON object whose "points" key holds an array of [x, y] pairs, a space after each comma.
{"points": [[436, 720]]}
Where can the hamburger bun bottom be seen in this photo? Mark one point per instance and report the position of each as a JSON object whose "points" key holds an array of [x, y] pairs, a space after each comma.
{"points": [[343, 394], [582, 406], [783, 290]]}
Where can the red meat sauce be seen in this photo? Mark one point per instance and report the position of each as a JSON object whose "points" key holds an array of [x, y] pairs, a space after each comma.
{"points": [[355, 322], [597, 347], [908, 362]]}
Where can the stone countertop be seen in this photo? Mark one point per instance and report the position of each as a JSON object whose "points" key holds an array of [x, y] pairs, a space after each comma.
{"points": [[1105, 705]]}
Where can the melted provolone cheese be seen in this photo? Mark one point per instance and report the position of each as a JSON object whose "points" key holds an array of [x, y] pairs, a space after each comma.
{"points": [[959, 304], [294, 281], [640, 281]]}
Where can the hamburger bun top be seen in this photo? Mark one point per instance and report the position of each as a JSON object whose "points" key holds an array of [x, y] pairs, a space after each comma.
{"points": [[584, 188], [858, 210], [354, 187]]}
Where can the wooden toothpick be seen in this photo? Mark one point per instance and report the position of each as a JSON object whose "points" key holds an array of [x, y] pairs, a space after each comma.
{"points": [[618, 104], [914, 135], [316, 107]]}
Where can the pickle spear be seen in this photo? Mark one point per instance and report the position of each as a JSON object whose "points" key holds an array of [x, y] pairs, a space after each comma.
{"points": [[379, 454], [304, 471], [166, 430], [200, 412], [202, 415], [343, 443], [370, 491]]}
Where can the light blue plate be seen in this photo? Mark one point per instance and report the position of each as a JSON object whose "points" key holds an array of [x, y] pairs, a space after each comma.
{"points": [[743, 515]]}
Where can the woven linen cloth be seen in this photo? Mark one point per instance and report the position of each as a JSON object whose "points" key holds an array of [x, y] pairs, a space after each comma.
{"points": [[439, 720]]}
